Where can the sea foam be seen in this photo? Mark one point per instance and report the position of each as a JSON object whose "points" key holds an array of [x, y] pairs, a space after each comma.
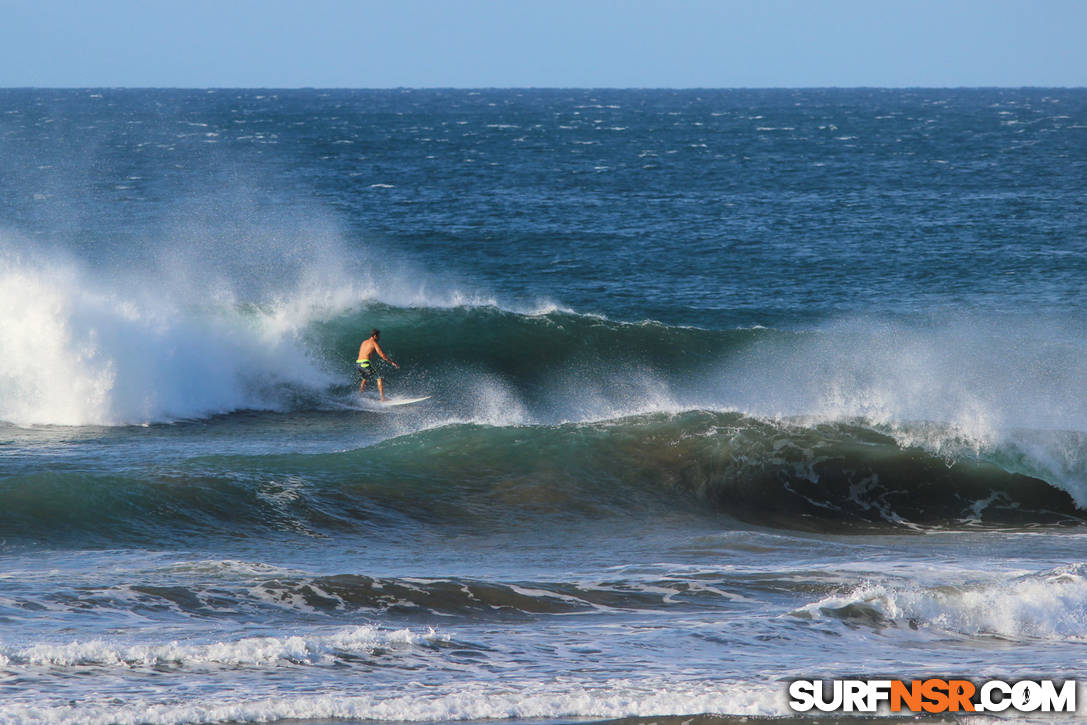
{"points": [[521, 700], [205, 327], [1049, 605], [312, 650], [79, 350]]}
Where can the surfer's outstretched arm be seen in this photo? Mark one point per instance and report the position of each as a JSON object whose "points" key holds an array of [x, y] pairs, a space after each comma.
{"points": [[384, 357]]}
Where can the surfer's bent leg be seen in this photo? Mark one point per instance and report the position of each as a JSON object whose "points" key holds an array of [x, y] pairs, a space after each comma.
{"points": [[380, 390]]}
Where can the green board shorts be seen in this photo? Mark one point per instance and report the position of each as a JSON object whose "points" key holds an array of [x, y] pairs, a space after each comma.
{"points": [[367, 370]]}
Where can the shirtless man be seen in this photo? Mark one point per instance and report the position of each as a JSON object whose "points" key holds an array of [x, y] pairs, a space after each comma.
{"points": [[368, 347]]}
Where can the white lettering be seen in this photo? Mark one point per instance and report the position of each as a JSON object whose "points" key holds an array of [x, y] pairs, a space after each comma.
{"points": [[802, 693], [1062, 701], [878, 690], [988, 704], [1026, 696], [835, 701], [853, 695]]}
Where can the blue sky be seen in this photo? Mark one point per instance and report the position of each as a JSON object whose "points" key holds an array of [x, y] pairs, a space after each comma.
{"points": [[554, 43]]}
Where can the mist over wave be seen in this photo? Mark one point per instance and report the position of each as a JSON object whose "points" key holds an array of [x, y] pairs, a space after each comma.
{"points": [[207, 325], [183, 339]]}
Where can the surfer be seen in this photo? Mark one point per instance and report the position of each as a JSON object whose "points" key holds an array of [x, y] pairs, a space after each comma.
{"points": [[368, 347]]}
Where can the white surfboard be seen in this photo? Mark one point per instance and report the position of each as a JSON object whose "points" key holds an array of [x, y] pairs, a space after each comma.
{"points": [[391, 401], [372, 404]]}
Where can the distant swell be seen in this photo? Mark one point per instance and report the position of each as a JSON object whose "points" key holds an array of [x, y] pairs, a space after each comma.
{"points": [[474, 478]]}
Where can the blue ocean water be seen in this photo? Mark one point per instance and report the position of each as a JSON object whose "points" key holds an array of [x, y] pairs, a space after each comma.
{"points": [[727, 388]]}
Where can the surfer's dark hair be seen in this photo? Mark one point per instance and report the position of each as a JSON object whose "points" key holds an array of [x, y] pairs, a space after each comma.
{"points": [[375, 332]]}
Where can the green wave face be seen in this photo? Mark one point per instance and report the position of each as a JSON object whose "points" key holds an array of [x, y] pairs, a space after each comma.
{"points": [[723, 467], [531, 349]]}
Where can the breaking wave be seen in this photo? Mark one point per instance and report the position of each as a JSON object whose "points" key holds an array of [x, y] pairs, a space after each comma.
{"points": [[798, 475]]}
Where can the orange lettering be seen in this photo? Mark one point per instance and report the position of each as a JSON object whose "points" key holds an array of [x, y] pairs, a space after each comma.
{"points": [[959, 694], [911, 695], [935, 692]]}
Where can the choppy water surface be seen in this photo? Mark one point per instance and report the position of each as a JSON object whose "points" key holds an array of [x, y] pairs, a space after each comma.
{"points": [[727, 388]]}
